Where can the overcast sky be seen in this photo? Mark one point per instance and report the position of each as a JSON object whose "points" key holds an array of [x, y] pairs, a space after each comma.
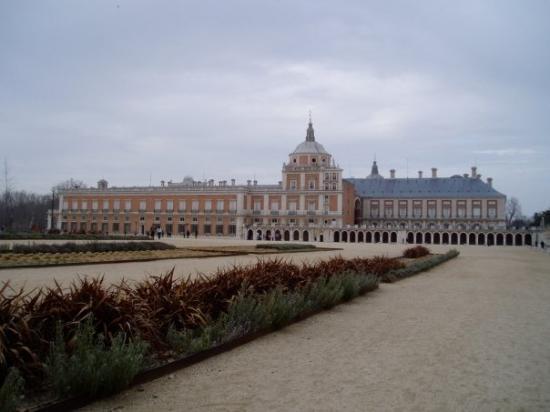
{"points": [[131, 90]]}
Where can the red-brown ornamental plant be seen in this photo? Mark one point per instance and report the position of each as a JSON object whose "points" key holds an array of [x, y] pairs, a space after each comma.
{"points": [[416, 252]]}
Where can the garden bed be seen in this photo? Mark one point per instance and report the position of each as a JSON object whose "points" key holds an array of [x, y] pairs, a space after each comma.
{"points": [[134, 334]]}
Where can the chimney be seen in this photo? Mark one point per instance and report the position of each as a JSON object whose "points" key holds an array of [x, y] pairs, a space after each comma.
{"points": [[232, 182], [211, 182], [474, 172], [465, 175], [162, 183], [420, 174], [434, 171], [280, 183], [490, 181], [392, 173], [255, 183], [248, 182]]}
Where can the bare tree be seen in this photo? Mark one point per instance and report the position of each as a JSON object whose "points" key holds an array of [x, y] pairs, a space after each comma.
{"points": [[6, 216], [70, 184], [513, 210]]}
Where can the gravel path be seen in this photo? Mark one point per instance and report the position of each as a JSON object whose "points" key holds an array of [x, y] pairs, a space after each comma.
{"points": [[472, 334]]}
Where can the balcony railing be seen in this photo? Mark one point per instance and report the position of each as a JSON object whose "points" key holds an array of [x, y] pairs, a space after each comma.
{"points": [[219, 211], [274, 213], [292, 212], [256, 212], [158, 210]]}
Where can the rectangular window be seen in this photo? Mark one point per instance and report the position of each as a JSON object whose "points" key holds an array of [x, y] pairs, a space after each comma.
{"points": [[219, 230], [374, 208], [170, 205], [195, 206], [116, 204], [127, 205], [432, 209], [233, 205], [388, 209], [182, 206], [461, 208], [220, 205], [142, 205], [127, 228], [116, 227], [158, 205], [207, 229], [84, 205], [403, 208], [65, 204], [74, 205], [257, 205], [311, 206], [492, 209], [105, 204], [476, 209], [311, 185], [293, 184], [446, 206], [95, 205], [292, 206], [207, 206], [274, 205], [417, 209]]}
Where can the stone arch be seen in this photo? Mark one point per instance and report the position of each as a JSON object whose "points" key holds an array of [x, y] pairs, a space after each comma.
{"points": [[259, 235], [454, 238], [286, 235], [344, 236], [519, 240], [268, 235], [385, 237], [278, 235], [296, 235], [376, 237], [393, 237], [419, 238], [360, 237], [463, 239], [352, 237], [500, 239], [509, 239], [472, 239], [337, 236], [250, 234], [445, 238], [410, 237], [490, 239], [305, 236], [428, 238], [481, 239], [368, 237], [528, 239], [437, 238]]}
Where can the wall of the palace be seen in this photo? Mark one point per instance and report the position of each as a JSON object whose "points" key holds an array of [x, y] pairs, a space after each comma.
{"points": [[421, 213]]}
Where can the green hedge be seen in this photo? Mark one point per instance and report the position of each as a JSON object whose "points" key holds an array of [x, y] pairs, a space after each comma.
{"points": [[285, 246], [71, 247], [418, 267]]}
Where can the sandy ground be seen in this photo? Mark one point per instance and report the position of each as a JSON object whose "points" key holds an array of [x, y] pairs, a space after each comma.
{"points": [[472, 334]]}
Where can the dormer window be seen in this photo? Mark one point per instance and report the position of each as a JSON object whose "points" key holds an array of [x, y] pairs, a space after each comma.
{"points": [[323, 160], [294, 160], [314, 160]]}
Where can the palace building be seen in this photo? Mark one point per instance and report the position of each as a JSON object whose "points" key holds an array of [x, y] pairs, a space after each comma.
{"points": [[312, 202]]}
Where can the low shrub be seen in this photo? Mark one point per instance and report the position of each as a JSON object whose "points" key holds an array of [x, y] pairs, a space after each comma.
{"points": [[418, 267], [10, 391], [71, 247], [416, 252], [285, 246], [93, 368]]}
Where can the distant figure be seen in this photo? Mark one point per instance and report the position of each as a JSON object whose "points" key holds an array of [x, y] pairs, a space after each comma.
{"points": [[196, 233], [159, 232], [187, 233]]}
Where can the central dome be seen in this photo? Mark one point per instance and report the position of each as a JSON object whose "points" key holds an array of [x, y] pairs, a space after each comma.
{"points": [[310, 147]]}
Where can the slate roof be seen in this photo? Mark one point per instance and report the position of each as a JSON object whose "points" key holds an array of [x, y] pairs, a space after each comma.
{"points": [[429, 187], [310, 148]]}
